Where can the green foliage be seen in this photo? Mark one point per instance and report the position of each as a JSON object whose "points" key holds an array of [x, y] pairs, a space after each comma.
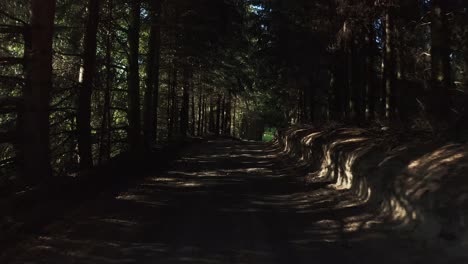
{"points": [[269, 134]]}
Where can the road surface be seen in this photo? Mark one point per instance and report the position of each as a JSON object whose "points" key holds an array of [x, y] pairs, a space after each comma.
{"points": [[224, 201]]}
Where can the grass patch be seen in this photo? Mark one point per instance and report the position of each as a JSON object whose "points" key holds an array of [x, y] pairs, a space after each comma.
{"points": [[269, 135]]}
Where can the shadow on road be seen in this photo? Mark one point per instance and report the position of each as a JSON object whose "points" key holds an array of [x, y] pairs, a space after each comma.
{"points": [[224, 202]]}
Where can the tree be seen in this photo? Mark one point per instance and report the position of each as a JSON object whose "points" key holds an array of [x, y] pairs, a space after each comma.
{"points": [[390, 73], [84, 99], [36, 154], [134, 129], [184, 111], [439, 102], [152, 75]]}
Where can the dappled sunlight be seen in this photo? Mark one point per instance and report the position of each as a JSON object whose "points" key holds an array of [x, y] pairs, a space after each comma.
{"points": [[425, 174], [212, 209], [397, 211], [408, 187], [164, 179], [308, 140], [340, 158], [130, 197]]}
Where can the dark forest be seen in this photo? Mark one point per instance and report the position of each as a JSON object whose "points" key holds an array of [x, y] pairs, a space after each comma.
{"points": [[333, 119]]}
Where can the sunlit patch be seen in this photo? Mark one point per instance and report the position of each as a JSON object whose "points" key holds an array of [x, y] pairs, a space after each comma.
{"points": [[119, 222], [191, 184], [247, 170], [414, 164], [163, 179], [397, 210], [210, 173], [310, 138], [45, 238], [253, 170], [43, 247], [352, 227], [443, 156], [344, 181], [130, 197]]}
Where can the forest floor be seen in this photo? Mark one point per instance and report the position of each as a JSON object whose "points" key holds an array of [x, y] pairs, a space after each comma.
{"points": [[224, 201]]}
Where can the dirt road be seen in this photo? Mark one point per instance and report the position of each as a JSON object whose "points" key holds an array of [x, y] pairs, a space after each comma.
{"points": [[224, 202]]}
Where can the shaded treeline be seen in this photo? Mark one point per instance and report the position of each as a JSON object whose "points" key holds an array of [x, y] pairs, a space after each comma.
{"points": [[82, 81], [399, 63]]}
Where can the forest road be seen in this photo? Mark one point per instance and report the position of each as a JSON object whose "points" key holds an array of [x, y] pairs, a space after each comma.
{"points": [[223, 201]]}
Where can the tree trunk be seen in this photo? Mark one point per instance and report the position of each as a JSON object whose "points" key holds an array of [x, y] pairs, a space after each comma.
{"points": [[390, 67], [152, 75], [20, 126], [338, 84], [223, 115], [347, 102], [173, 103], [358, 84], [305, 103], [193, 118], [218, 115], [311, 88], [105, 140], [228, 115], [211, 121], [84, 98], [371, 74], [200, 111], [461, 126], [204, 117], [134, 129], [439, 102], [185, 108], [234, 115], [36, 154]]}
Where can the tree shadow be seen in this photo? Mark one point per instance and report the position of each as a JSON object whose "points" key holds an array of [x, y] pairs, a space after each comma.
{"points": [[223, 202]]}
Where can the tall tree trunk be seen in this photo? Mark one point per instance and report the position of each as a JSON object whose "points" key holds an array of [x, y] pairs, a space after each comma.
{"points": [[134, 129], [311, 88], [20, 126], [185, 108], [304, 104], [461, 126], [466, 61], [234, 116], [390, 66], [371, 74], [218, 115], [211, 121], [193, 118], [439, 102], [84, 98], [105, 140], [36, 154], [173, 103], [228, 115], [223, 115], [204, 116], [338, 84], [152, 75], [347, 76], [359, 83], [200, 111]]}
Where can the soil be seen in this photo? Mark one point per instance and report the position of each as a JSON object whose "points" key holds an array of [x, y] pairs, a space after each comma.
{"points": [[225, 201]]}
